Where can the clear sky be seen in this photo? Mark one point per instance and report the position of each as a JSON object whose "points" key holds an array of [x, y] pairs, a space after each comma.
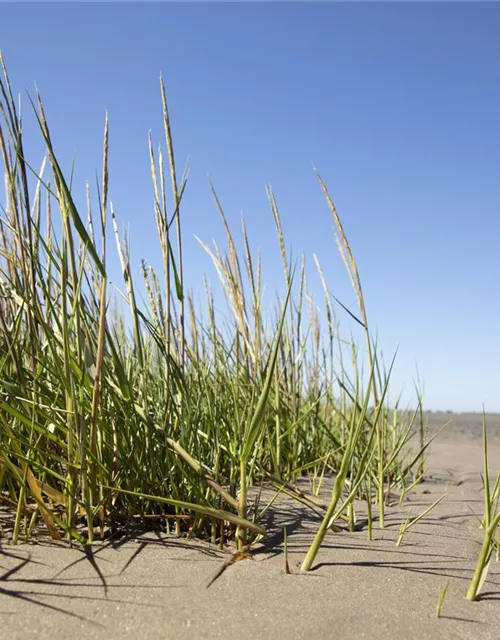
{"points": [[396, 104]]}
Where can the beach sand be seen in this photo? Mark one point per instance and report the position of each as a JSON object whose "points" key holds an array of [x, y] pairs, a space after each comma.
{"points": [[154, 586]]}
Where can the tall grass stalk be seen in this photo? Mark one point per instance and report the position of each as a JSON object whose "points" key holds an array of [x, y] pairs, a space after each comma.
{"points": [[490, 523], [352, 270]]}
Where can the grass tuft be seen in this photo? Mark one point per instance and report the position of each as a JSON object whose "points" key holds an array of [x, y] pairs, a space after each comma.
{"points": [[133, 404]]}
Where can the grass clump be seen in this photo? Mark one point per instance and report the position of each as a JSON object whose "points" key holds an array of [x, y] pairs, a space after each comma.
{"points": [[161, 411]]}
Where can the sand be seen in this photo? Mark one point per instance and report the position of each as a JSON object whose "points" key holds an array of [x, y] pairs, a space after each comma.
{"points": [[154, 585]]}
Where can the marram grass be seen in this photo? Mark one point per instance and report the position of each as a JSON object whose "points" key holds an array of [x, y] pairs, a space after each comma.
{"points": [[160, 409]]}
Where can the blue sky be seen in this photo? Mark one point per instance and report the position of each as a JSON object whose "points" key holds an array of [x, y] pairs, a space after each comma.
{"points": [[396, 104]]}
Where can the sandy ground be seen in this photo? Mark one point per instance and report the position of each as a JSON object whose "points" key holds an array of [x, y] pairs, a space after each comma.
{"points": [[154, 586]]}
